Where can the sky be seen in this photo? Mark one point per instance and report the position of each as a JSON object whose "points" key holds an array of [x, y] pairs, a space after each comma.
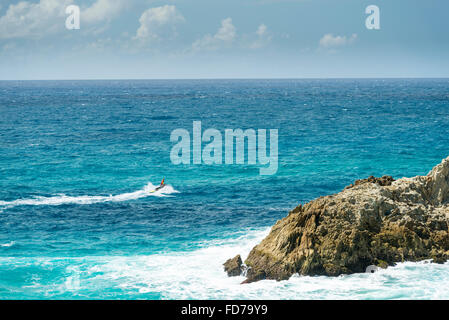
{"points": [[190, 39]]}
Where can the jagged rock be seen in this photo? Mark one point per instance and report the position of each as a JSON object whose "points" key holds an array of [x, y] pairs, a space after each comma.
{"points": [[384, 181], [376, 221], [233, 266]]}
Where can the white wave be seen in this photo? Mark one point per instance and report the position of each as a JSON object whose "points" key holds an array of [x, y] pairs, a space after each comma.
{"points": [[199, 274], [61, 199], [8, 244]]}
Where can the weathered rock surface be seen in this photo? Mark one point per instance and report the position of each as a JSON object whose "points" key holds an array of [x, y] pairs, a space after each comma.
{"points": [[233, 266], [384, 181], [375, 221]]}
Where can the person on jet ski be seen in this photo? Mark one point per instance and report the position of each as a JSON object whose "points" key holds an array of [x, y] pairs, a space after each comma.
{"points": [[161, 185]]}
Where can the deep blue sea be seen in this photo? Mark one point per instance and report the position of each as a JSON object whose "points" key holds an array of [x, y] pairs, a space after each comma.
{"points": [[78, 160]]}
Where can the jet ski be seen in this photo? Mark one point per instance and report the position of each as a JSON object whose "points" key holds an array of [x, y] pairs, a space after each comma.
{"points": [[162, 185]]}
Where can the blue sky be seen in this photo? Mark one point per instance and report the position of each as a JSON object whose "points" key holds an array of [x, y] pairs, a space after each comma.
{"points": [[223, 39]]}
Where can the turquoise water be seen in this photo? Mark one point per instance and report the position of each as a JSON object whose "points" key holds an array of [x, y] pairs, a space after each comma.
{"points": [[78, 159]]}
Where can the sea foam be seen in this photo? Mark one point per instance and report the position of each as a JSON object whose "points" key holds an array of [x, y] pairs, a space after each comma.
{"points": [[199, 274]]}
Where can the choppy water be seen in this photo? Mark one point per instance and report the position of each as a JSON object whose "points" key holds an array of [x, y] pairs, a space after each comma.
{"points": [[78, 159]]}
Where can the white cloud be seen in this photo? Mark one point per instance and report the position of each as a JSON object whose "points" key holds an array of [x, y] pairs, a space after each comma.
{"points": [[36, 20], [224, 36], [330, 41], [26, 19], [155, 21], [261, 30], [226, 32], [102, 10], [263, 37]]}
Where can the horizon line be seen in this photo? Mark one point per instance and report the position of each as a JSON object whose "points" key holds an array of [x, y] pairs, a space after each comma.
{"points": [[237, 78]]}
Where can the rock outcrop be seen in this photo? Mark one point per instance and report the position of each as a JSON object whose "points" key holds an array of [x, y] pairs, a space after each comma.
{"points": [[233, 267], [375, 221]]}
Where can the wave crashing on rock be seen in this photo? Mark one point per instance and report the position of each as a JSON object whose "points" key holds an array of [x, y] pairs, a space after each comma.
{"points": [[375, 221]]}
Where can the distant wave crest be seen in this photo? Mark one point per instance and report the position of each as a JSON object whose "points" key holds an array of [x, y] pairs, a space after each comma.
{"points": [[8, 244], [61, 199]]}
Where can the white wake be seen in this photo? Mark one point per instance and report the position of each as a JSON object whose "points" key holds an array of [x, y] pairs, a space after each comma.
{"points": [[61, 199]]}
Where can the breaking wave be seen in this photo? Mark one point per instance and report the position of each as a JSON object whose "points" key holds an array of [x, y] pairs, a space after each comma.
{"points": [[199, 274]]}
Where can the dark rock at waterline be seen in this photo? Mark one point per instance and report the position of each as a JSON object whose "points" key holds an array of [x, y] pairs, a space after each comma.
{"points": [[383, 181], [233, 266], [375, 221], [439, 258], [254, 275]]}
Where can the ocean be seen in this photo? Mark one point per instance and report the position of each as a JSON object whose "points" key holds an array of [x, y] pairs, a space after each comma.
{"points": [[78, 159]]}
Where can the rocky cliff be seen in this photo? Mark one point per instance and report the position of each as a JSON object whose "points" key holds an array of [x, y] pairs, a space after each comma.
{"points": [[375, 221]]}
